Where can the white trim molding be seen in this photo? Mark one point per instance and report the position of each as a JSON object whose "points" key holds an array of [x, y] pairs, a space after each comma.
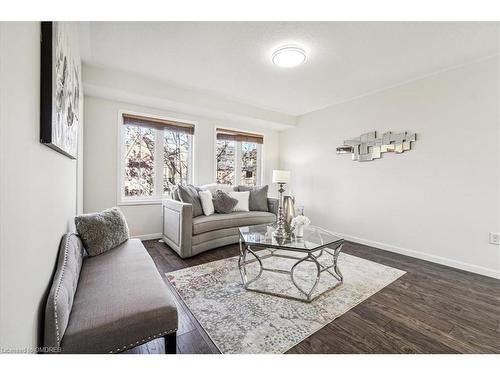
{"points": [[151, 236], [490, 272]]}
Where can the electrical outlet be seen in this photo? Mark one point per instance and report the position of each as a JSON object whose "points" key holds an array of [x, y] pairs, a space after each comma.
{"points": [[495, 238]]}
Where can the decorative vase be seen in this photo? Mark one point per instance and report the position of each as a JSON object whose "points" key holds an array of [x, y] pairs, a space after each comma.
{"points": [[299, 231], [288, 211]]}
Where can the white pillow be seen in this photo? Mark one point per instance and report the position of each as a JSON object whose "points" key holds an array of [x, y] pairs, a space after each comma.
{"points": [[214, 187], [242, 197], [206, 202]]}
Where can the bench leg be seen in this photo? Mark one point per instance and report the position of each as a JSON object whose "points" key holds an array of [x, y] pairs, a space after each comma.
{"points": [[171, 343]]}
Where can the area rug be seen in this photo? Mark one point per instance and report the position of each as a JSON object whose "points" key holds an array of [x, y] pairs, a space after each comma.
{"points": [[241, 321]]}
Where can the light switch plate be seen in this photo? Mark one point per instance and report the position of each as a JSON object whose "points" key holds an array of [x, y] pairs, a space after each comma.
{"points": [[495, 238]]}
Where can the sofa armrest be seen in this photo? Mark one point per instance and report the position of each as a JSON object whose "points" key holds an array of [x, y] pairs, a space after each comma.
{"points": [[178, 226], [273, 204]]}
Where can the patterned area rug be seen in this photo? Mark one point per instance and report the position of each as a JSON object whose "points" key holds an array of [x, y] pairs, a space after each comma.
{"points": [[241, 321]]}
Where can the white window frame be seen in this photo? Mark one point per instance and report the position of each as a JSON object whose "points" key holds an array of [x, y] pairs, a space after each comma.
{"points": [[237, 162], [158, 187]]}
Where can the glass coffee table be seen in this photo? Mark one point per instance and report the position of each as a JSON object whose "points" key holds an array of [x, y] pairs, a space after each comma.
{"points": [[317, 247]]}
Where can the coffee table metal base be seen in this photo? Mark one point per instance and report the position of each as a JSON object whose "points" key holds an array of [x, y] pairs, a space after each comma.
{"points": [[312, 256]]}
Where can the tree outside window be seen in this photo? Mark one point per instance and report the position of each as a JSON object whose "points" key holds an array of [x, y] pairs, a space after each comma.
{"points": [[139, 161], [225, 159], [176, 157], [249, 164]]}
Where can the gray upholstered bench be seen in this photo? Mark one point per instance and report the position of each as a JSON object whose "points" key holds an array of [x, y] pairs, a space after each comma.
{"points": [[108, 303]]}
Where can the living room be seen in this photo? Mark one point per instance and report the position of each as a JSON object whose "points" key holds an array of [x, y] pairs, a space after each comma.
{"points": [[249, 187]]}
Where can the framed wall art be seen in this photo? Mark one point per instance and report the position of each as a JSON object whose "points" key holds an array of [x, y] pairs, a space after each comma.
{"points": [[59, 90]]}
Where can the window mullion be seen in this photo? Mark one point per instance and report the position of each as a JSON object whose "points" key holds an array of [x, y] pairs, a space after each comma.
{"points": [[190, 176], [259, 165], [158, 177], [238, 164], [123, 149]]}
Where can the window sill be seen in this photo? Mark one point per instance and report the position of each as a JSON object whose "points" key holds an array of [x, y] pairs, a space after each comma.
{"points": [[140, 202]]}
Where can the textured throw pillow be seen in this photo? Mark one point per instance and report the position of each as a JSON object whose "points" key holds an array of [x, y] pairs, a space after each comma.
{"points": [[223, 203], [258, 197], [102, 231], [206, 202], [243, 200], [189, 194]]}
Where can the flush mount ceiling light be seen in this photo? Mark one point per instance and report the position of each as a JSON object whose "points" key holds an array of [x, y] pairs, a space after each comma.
{"points": [[289, 56]]}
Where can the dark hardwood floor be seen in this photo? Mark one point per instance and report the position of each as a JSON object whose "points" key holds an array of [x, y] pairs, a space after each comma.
{"points": [[431, 309]]}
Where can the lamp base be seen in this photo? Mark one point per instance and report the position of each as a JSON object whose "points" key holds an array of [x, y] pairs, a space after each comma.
{"points": [[281, 233]]}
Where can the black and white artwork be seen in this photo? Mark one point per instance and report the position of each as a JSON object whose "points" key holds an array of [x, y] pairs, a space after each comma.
{"points": [[60, 90]]}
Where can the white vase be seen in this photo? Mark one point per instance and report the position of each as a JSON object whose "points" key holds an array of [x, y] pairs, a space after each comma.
{"points": [[299, 231]]}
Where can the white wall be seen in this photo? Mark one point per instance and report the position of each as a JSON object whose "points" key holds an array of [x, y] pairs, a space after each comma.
{"points": [[38, 190], [133, 88], [101, 158], [438, 201]]}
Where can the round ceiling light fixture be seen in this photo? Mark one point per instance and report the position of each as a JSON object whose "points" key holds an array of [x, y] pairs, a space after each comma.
{"points": [[289, 56]]}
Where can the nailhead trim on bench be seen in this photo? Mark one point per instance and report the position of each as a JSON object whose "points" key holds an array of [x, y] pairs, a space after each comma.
{"points": [[142, 341], [58, 340]]}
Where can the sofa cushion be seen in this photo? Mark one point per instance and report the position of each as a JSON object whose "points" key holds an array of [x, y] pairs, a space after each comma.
{"points": [[102, 231], [204, 224], [258, 197], [121, 301], [189, 194], [214, 235]]}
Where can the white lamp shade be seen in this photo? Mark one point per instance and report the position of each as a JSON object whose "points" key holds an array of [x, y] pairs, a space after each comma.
{"points": [[280, 176]]}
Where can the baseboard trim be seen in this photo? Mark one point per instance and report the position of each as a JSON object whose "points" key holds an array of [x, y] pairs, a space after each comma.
{"points": [[425, 256], [152, 236]]}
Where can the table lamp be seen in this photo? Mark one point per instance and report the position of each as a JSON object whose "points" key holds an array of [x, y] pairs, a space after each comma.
{"points": [[281, 178]]}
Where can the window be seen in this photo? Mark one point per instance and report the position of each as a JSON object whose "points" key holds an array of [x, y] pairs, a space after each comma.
{"points": [[156, 155], [238, 157], [249, 163], [139, 161], [176, 159], [226, 152]]}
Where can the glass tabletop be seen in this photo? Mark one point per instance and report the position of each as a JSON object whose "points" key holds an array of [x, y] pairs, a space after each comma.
{"points": [[314, 238]]}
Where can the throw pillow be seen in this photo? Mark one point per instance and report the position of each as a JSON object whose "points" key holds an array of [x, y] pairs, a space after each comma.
{"points": [[102, 231], [206, 202], [174, 194], [223, 203], [258, 197], [189, 194], [243, 200]]}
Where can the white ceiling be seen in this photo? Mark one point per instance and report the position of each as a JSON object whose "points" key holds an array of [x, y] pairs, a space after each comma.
{"points": [[232, 59]]}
